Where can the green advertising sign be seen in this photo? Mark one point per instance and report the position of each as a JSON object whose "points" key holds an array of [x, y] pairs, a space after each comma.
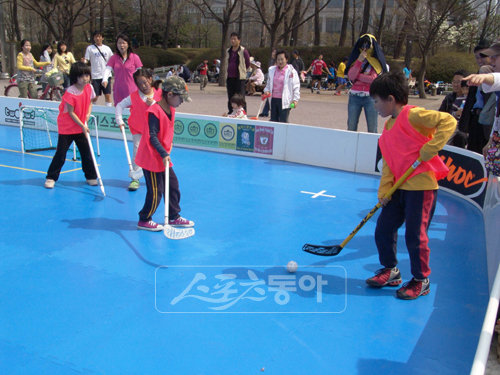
{"points": [[196, 132]]}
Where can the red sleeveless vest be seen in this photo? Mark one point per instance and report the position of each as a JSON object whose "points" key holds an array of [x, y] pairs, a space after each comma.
{"points": [[138, 111], [147, 157], [401, 146]]}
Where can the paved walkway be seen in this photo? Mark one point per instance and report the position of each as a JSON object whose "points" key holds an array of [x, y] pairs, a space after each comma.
{"points": [[324, 110]]}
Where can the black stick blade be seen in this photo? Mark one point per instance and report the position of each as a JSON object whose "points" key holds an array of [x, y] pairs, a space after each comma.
{"points": [[326, 251]]}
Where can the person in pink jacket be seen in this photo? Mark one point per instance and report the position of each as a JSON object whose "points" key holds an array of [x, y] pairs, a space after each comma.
{"points": [[365, 64]]}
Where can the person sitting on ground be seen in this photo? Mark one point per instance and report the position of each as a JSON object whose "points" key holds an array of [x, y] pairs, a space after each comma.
{"points": [[256, 79], [238, 105]]}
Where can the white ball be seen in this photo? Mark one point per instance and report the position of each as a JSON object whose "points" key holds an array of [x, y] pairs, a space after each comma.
{"points": [[292, 266]]}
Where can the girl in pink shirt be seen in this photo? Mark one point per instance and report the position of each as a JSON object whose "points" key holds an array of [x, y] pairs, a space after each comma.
{"points": [[123, 63], [74, 112]]}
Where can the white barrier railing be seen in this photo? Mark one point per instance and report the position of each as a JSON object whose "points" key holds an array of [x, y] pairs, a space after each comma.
{"points": [[483, 348]]}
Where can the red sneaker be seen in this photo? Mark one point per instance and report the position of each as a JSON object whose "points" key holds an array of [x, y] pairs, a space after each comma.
{"points": [[414, 289], [181, 222], [150, 226], [385, 277]]}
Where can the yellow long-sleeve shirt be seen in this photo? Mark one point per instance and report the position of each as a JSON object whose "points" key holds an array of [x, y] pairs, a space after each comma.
{"points": [[441, 126], [22, 66], [63, 62]]}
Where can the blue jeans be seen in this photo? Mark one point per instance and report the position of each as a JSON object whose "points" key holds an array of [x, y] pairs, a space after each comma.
{"points": [[356, 103]]}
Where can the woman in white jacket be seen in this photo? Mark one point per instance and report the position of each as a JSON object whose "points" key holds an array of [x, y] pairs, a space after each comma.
{"points": [[284, 86]]}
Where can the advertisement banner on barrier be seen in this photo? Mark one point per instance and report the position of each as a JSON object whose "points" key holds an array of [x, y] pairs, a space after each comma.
{"points": [[245, 138], [196, 132], [264, 139], [467, 175], [227, 136]]}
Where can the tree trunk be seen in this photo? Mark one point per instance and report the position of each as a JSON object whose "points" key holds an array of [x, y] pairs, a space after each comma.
{"points": [[317, 31], [263, 29], [295, 20], [408, 52], [240, 19], [380, 27], [485, 27], [168, 20], [343, 28], [92, 18], [141, 22], [101, 15], [407, 27], [353, 23], [366, 17], [223, 52], [113, 16], [15, 20], [421, 77]]}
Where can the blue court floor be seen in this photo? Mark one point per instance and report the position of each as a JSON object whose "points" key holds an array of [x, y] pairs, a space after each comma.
{"points": [[83, 291]]}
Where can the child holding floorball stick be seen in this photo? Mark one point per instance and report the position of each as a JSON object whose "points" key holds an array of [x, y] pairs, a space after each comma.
{"points": [[74, 112], [139, 101], [154, 153], [410, 133]]}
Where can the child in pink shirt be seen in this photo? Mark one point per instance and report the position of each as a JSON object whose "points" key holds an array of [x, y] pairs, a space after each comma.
{"points": [[74, 112]]}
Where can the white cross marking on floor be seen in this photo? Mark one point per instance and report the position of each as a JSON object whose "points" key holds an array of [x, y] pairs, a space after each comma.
{"points": [[320, 194]]}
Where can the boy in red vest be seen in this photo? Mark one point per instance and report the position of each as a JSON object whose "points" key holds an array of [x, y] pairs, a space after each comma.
{"points": [[411, 132], [154, 152]]}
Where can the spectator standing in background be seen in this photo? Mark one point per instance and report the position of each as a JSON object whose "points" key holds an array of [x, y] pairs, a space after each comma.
{"points": [[203, 71], [238, 61], [366, 63], [97, 55]]}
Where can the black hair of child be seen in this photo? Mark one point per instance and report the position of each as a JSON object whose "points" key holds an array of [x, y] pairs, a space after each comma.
{"points": [[23, 42], [78, 69], [393, 83], [146, 73], [59, 44], [238, 99]]}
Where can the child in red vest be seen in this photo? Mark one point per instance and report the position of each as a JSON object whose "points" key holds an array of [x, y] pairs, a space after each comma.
{"points": [[411, 132], [154, 152], [74, 112], [139, 101]]}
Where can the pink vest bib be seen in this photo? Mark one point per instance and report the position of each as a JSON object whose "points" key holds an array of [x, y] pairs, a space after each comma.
{"points": [[147, 157], [401, 146], [138, 119]]}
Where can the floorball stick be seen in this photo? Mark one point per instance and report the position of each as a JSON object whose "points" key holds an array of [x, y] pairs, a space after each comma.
{"points": [[99, 179], [127, 152], [336, 249]]}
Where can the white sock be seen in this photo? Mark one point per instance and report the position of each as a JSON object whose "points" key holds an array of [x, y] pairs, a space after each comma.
{"points": [[109, 104]]}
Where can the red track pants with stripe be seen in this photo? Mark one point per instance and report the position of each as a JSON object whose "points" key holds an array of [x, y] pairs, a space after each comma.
{"points": [[415, 208]]}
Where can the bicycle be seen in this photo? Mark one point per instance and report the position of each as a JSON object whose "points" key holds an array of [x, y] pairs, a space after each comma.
{"points": [[52, 91]]}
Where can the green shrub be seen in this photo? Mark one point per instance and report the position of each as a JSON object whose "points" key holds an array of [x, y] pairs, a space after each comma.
{"points": [[441, 67], [155, 57]]}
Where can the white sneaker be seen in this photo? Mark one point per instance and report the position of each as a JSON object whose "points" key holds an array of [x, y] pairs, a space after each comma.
{"points": [[49, 183], [92, 182]]}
